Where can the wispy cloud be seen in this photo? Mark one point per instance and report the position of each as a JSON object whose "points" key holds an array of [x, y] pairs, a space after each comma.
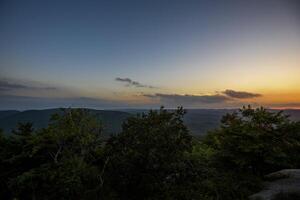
{"points": [[129, 82], [6, 85], [240, 94], [31, 102], [225, 98], [187, 99]]}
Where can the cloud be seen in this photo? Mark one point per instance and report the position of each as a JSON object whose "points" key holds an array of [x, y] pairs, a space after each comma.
{"points": [[189, 99], [228, 98], [291, 105], [129, 82], [30, 102], [240, 94], [149, 95], [11, 85], [4, 85]]}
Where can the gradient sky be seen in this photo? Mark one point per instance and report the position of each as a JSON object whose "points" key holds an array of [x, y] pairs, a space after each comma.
{"points": [[142, 54]]}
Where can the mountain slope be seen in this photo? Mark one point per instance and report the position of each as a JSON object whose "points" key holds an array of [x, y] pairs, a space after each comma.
{"points": [[111, 120], [6, 113], [199, 121]]}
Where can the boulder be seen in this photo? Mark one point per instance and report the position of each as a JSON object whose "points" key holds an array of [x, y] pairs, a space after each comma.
{"points": [[284, 184]]}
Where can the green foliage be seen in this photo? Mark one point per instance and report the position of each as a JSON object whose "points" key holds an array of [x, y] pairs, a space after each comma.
{"points": [[147, 159], [287, 196], [14, 154], [59, 162], [249, 144], [213, 181], [154, 157], [256, 141]]}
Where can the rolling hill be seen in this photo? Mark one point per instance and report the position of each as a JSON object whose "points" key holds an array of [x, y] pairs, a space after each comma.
{"points": [[199, 121], [111, 120]]}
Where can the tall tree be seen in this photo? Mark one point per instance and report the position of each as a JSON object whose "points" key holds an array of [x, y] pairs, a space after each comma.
{"points": [[64, 159], [147, 159], [256, 141]]}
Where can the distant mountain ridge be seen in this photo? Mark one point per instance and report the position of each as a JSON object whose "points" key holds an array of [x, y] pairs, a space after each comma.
{"points": [[199, 121], [111, 120], [6, 113]]}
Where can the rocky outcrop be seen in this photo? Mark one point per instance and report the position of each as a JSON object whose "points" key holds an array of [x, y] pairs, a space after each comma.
{"points": [[284, 184]]}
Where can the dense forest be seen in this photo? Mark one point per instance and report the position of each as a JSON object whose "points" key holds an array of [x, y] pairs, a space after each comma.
{"points": [[153, 157]]}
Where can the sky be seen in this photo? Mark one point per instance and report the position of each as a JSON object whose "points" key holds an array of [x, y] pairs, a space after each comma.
{"points": [[148, 53]]}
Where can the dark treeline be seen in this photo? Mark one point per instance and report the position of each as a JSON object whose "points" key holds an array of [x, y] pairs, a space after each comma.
{"points": [[154, 157]]}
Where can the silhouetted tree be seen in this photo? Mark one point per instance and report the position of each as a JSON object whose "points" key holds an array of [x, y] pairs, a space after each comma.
{"points": [[147, 159], [62, 161], [154, 157], [256, 141]]}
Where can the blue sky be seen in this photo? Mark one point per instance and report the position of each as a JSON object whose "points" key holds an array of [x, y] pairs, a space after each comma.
{"points": [[186, 49]]}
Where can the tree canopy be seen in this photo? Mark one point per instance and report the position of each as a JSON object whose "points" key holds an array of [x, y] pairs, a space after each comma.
{"points": [[153, 157], [58, 162], [147, 159], [256, 141]]}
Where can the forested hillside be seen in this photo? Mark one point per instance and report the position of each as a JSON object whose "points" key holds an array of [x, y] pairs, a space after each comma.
{"points": [[198, 121], [153, 157], [111, 120]]}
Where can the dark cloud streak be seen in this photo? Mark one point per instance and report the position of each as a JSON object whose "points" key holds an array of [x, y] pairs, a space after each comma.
{"points": [[9, 86], [29, 102], [227, 96], [240, 94], [4, 85], [129, 82], [186, 99]]}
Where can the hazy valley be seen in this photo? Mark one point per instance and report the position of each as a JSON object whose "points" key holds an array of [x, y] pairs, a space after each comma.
{"points": [[198, 121]]}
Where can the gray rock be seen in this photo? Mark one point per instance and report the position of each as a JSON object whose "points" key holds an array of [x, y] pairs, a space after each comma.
{"points": [[285, 182]]}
